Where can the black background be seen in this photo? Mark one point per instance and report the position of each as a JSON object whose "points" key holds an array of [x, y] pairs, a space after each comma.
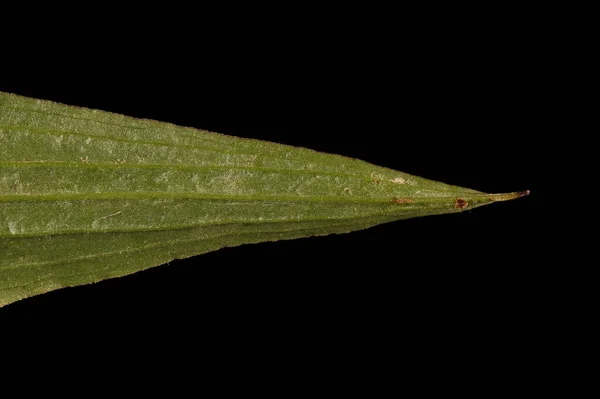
{"points": [[453, 106]]}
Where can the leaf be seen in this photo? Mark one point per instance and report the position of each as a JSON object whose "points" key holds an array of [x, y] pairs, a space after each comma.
{"points": [[87, 195]]}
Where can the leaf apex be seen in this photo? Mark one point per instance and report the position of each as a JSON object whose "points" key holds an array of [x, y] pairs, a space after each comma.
{"points": [[509, 196]]}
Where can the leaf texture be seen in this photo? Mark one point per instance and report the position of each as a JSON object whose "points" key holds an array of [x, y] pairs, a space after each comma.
{"points": [[87, 195]]}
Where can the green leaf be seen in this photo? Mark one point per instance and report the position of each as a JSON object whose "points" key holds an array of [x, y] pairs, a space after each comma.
{"points": [[87, 195]]}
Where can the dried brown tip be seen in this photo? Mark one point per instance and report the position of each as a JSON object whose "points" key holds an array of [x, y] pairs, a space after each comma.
{"points": [[509, 196]]}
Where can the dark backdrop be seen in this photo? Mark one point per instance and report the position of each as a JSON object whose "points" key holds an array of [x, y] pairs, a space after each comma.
{"points": [[465, 112]]}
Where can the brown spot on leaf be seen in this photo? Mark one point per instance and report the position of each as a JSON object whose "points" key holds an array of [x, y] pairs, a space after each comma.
{"points": [[402, 201], [461, 203]]}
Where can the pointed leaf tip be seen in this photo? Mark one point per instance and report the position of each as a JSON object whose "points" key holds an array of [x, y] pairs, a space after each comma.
{"points": [[509, 196]]}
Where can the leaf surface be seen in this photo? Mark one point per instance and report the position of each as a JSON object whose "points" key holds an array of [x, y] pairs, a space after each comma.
{"points": [[87, 195]]}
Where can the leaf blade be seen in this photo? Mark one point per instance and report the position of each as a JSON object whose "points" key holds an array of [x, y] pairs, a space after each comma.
{"points": [[82, 189]]}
